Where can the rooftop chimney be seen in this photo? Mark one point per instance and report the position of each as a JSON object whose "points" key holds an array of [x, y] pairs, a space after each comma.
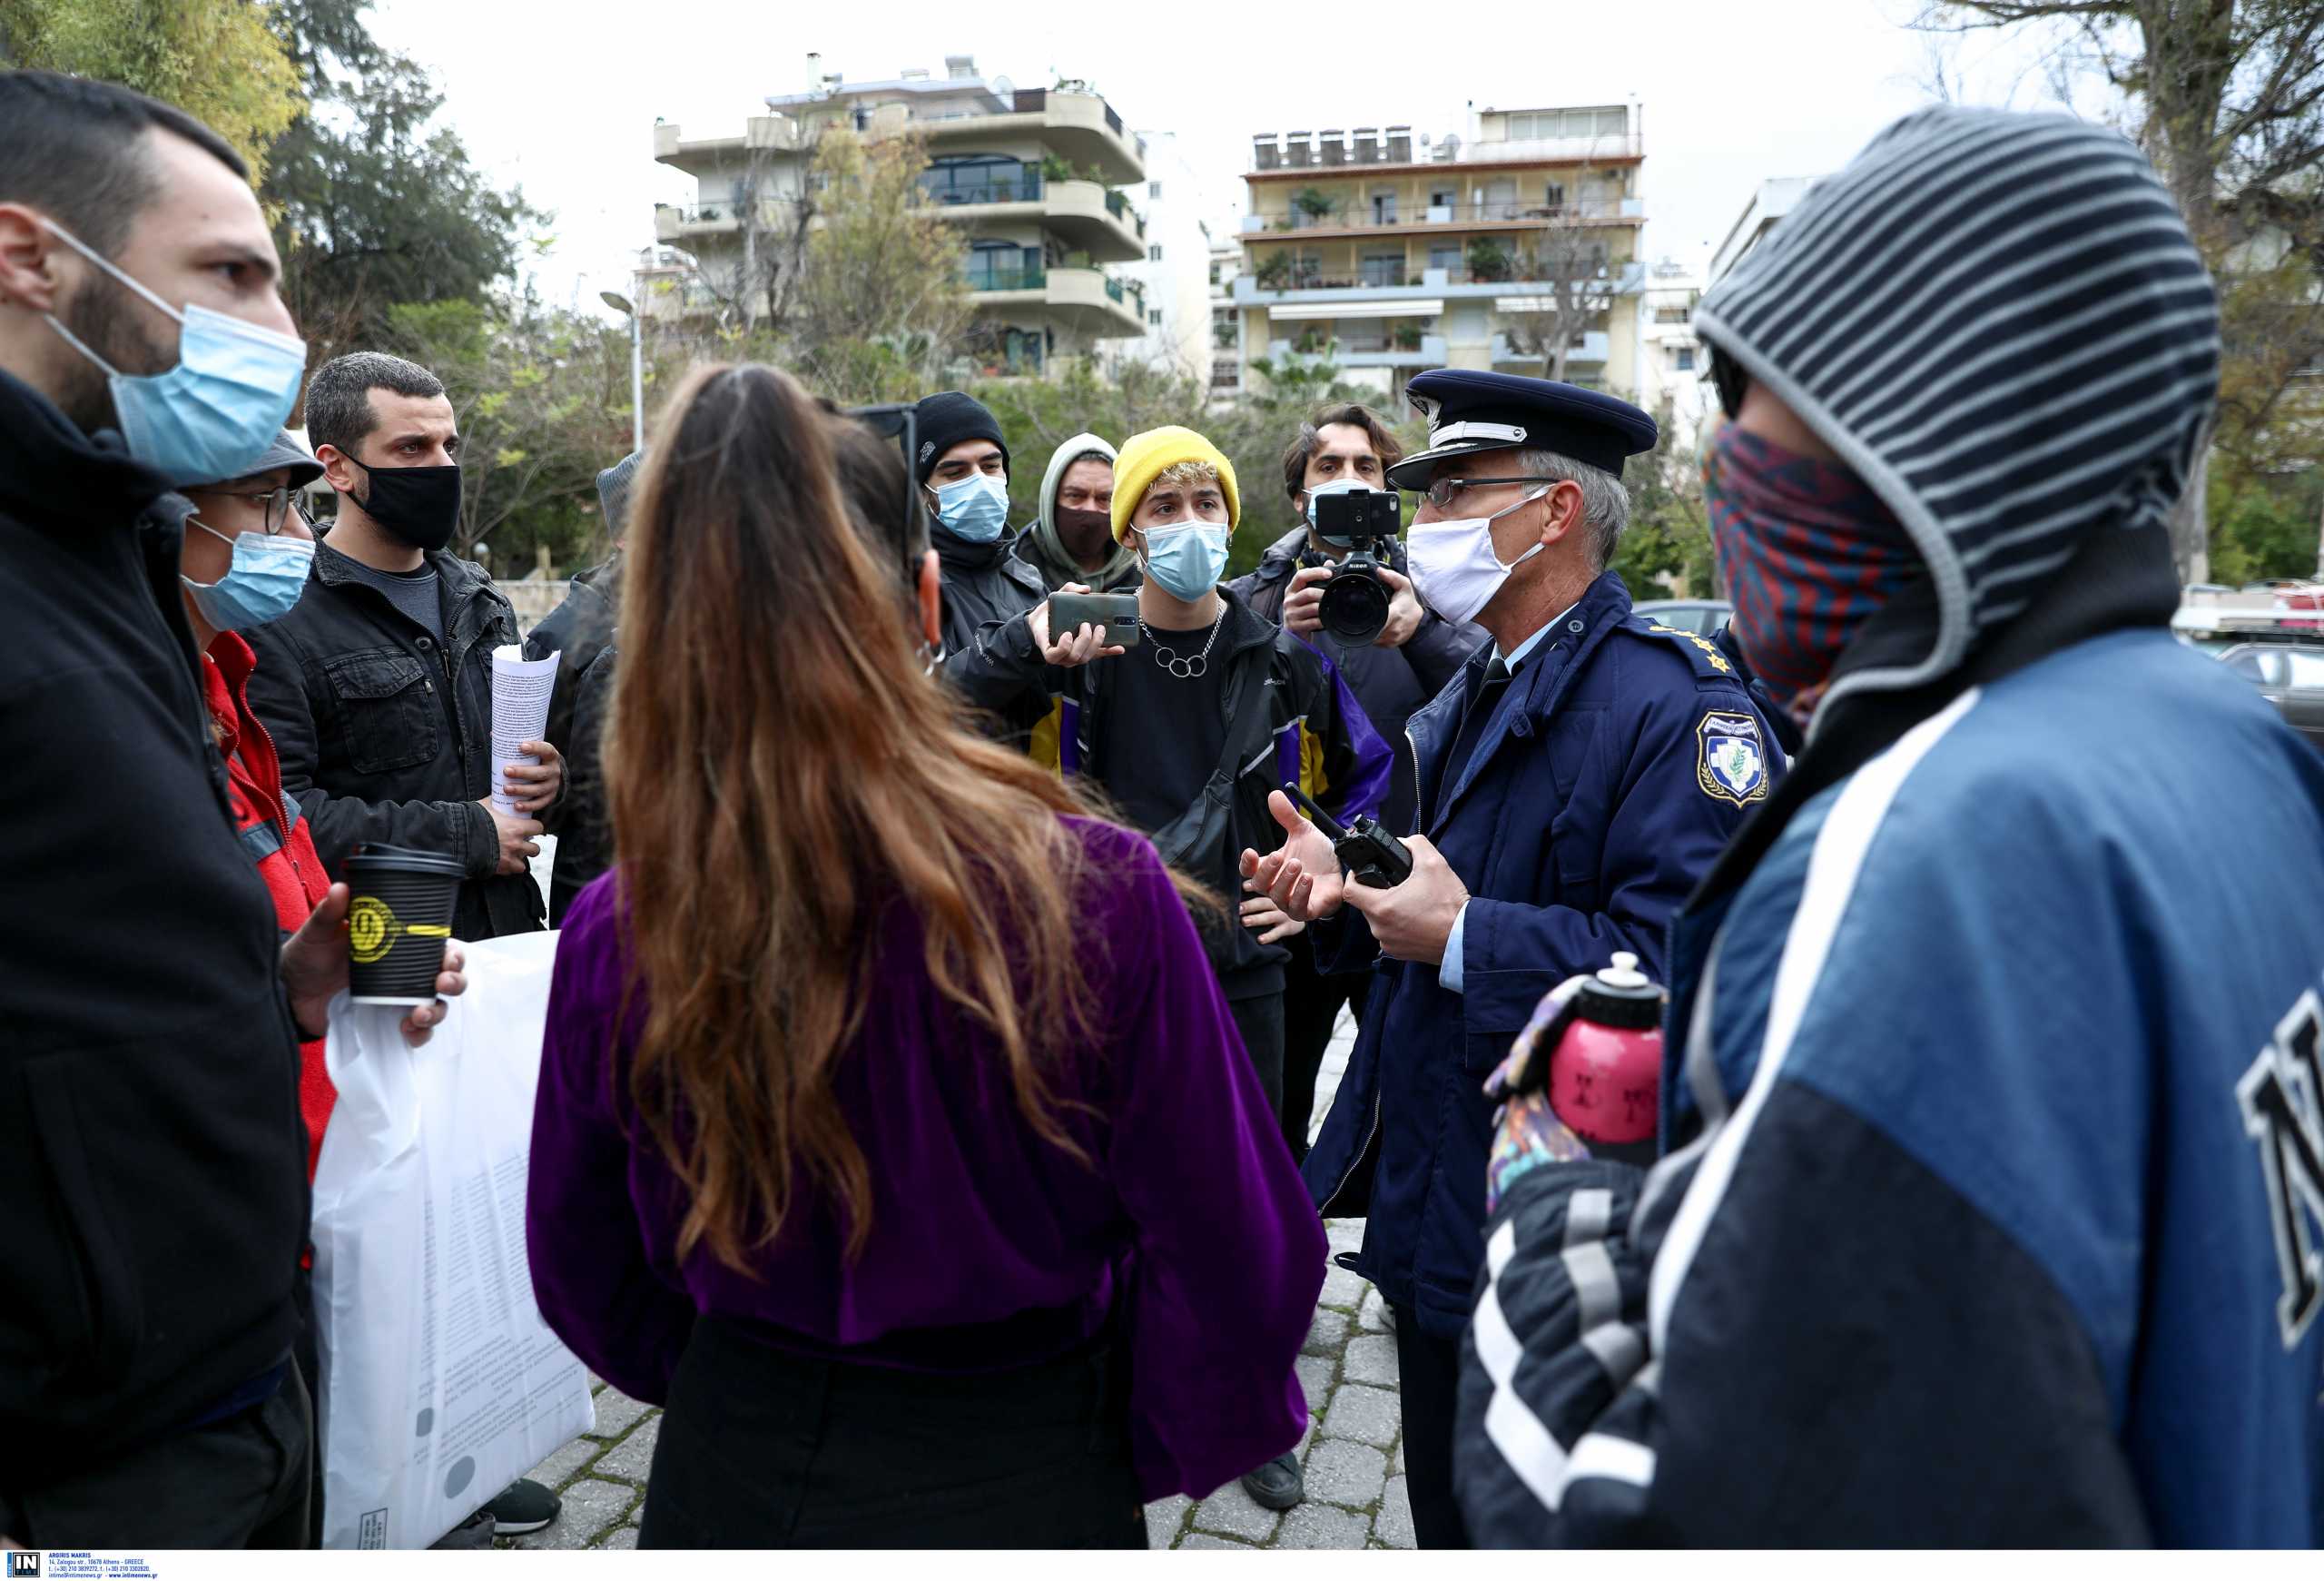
{"points": [[814, 71], [960, 67]]}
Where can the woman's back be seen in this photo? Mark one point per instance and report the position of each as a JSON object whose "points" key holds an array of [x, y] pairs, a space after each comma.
{"points": [[865, 1066]]}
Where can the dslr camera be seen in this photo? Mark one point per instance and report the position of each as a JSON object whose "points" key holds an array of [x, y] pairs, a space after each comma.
{"points": [[1355, 600]]}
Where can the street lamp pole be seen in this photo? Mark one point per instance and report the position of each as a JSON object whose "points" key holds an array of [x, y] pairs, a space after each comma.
{"points": [[621, 304]]}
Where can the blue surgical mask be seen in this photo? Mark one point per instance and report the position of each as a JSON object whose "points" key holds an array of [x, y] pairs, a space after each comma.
{"points": [[265, 580], [220, 408], [975, 508], [1186, 561], [1339, 486]]}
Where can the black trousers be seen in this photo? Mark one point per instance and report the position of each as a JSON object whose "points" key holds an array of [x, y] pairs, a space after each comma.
{"points": [[1311, 1010], [763, 1449], [239, 1483], [1429, 1373], [1260, 1020]]}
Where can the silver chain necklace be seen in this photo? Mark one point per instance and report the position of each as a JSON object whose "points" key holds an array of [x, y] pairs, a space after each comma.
{"points": [[1186, 669]]}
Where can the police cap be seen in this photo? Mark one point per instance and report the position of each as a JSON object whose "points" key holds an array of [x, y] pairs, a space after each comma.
{"points": [[1470, 410]]}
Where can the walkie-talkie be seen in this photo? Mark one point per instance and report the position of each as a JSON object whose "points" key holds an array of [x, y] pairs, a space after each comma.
{"points": [[1372, 856]]}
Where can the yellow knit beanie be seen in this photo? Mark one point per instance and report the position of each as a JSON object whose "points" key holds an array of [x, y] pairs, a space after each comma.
{"points": [[1148, 455]]}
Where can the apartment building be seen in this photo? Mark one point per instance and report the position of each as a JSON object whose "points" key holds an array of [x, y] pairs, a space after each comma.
{"points": [[1037, 181], [1672, 362], [1174, 271], [1226, 318], [1483, 249], [1768, 206]]}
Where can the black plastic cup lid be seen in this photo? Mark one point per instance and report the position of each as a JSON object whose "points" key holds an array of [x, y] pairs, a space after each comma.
{"points": [[404, 859], [1620, 996]]}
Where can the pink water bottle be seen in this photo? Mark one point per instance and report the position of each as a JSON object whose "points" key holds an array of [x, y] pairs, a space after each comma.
{"points": [[1606, 1072]]}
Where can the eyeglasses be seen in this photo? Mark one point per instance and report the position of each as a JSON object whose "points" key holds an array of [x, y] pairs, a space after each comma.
{"points": [[1443, 492], [279, 504]]}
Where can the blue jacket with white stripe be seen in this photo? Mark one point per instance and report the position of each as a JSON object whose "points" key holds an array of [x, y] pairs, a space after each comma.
{"points": [[2005, 1231], [1991, 1209]]}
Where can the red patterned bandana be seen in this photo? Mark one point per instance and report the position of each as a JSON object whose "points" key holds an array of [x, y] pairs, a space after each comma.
{"points": [[1807, 551]]}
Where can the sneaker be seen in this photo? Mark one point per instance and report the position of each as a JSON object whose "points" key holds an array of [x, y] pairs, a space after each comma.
{"points": [[1277, 1485], [524, 1505]]}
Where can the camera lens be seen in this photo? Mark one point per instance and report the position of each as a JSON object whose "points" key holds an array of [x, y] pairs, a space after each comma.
{"points": [[1355, 608]]}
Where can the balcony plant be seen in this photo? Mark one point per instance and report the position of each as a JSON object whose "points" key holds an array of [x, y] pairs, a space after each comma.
{"points": [[1488, 260], [1275, 272], [1310, 344], [1407, 337], [1314, 203], [1055, 167]]}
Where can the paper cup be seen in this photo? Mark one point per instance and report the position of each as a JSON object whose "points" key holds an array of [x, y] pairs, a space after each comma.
{"points": [[399, 922]]}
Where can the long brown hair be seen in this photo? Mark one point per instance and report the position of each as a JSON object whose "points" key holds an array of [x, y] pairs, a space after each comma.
{"points": [[780, 767]]}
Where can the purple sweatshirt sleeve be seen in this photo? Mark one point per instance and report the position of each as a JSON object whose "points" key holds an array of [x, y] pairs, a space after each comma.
{"points": [[1229, 1254], [597, 1288]]}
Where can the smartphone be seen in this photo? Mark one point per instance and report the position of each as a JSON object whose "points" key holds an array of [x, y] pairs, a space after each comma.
{"points": [[1117, 612]]}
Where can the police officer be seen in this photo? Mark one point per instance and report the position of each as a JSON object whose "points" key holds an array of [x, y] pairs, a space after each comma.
{"points": [[1576, 778]]}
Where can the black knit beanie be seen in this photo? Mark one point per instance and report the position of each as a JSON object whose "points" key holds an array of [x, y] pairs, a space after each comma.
{"points": [[944, 420]]}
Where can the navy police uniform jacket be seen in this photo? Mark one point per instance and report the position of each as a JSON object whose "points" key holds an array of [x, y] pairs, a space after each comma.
{"points": [[1618, 762]]}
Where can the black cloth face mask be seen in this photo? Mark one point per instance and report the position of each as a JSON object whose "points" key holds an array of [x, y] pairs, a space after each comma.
{"points": [[421, 505]]}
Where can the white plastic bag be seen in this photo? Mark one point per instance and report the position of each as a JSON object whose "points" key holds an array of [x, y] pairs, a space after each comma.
{"points": [[441, 1383]]}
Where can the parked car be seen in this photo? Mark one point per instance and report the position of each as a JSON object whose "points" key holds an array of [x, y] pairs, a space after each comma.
{"points": [[1703, 616], [2290, 674]]}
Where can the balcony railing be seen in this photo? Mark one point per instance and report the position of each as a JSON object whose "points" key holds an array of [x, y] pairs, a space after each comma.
{"points": [[729, 211], [1021, 189], [1445, 214], [1119, 207], [1303, 151], [1006, 277], [1517, 275]]}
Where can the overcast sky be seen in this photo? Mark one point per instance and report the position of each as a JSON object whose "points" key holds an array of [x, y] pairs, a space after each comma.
{"points": [[562, 99]]}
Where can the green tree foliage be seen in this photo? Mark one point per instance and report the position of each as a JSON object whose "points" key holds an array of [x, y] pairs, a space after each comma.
{"points": [[1666, 550], [221, 60], [378, 204], [542, 398], [2264, 527]]}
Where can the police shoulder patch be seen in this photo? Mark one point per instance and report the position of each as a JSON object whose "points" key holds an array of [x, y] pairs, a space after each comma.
{"points": [[1730, 763], [1702, 651]]}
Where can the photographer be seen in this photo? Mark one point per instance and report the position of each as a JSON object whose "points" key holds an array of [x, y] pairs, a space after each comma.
{"points": [[1344, 448]]}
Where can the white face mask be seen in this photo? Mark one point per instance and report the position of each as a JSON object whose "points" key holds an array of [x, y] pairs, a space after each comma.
{"points": [[1454, 567]]}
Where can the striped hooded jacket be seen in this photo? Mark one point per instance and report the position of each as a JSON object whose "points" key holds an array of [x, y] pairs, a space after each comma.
{"points": [[1993, 1184]]}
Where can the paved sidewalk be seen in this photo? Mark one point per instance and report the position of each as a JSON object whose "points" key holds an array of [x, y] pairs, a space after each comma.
{"points": [[1353, 1451]]}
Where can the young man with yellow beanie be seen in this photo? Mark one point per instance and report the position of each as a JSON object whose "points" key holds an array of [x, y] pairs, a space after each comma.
{"points": [[1188, 731]]}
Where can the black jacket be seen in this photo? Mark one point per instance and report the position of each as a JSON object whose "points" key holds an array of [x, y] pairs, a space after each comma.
{"points": [[153, 1164], [578, 629], [585, 841], [1392, 683], [579, 632], [384, 735], [983, 582], [1313, 732]]}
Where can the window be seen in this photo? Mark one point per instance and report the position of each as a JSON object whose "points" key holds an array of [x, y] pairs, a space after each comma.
{"points": [[1682, 357], [1384, 206], [979, 178], [1669, 315], [1554, 194], [1444, 255], [1442, 197], [1383, 268], [1153, 315], [1153, 189], [1154, 253]]}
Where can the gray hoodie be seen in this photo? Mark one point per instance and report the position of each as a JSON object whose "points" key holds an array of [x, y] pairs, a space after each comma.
{"points": [[1039, 547]]}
